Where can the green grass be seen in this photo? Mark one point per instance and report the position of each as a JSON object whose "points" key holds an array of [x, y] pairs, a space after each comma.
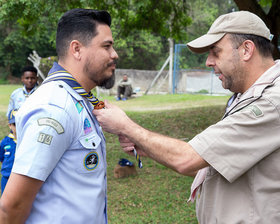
{"points": [[157, 194], [5, 92]]}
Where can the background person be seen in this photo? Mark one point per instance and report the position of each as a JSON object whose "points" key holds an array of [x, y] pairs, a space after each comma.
{"points": [[7, 150], [237, 159], [29, 80], [124, 88], [59, 174]]}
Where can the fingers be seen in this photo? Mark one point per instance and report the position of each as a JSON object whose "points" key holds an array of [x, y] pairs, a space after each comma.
{"points": [[107, 104]]}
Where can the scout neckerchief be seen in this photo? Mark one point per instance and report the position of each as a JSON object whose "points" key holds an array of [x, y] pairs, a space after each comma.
{"points": [[72, 82], [27, 94], [11, 135]]}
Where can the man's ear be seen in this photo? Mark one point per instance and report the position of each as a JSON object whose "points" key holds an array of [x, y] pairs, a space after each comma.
{"points": [[75, 49], [248, 48]]}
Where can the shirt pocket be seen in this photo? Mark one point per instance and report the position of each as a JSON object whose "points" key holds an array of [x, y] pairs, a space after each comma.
{"points": [[91, 158]]}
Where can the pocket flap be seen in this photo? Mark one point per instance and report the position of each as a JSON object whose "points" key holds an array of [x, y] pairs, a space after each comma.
{"points": [[91, 141]]}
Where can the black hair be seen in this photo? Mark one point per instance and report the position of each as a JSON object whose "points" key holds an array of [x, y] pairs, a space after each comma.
{"points": [[78, 24], [29, 69], [264, 46]]}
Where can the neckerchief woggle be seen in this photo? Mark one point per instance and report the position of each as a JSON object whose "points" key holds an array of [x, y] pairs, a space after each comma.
{"points": [[63, 75]]}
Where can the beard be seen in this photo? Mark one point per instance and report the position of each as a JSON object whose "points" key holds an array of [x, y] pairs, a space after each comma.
{"points": [[98, 76], [107, 83]]}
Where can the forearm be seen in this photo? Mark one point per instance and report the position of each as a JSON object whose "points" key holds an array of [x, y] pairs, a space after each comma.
{"points": [[173, 153], [17, 199], [10, 216]]}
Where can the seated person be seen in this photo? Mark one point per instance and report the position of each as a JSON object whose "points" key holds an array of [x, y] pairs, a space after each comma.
{"points": [[124, 88], [29, 80]]}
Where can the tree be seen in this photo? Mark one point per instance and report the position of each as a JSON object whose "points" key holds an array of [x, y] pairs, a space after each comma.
{"points": [[36, 20], [269, 12]]}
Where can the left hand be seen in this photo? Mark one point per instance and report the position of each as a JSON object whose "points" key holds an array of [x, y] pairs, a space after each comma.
{"points": [[128, 146]]}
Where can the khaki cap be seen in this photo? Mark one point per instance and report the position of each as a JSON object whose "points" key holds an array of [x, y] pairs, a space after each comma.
{"points": [[241, 22]]}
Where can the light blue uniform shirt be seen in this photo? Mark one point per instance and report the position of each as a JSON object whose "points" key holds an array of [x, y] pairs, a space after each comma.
{"points": [[18, 97], [61, 143]]}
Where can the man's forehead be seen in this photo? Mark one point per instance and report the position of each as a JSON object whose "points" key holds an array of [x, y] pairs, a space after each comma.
{"points": [[104, 34], [219, 44]]}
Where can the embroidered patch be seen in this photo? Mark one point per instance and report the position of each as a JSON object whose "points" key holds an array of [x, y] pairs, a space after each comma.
{"points": [[7, 153], [7, 147], [45, 138], [79, 107], [87, 126], [52, 123], [254, 109], [91, 161]]}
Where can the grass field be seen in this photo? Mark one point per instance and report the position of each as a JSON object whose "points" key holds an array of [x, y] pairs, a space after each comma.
{"points": [[157, 194]]}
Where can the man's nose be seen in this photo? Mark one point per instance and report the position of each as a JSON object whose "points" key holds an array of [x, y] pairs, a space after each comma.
{"points": [[210, 61], [114, 54]]}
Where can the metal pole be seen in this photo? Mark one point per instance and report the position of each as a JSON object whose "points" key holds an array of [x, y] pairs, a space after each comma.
{"points": [[171, 47], [157, 76]]}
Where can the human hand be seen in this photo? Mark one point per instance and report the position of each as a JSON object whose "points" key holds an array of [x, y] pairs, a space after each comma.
{"points": [[126, 145], [129, 147], [112, 119]]}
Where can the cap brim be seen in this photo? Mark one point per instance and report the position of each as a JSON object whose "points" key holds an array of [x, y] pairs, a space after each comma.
{"points": [[202, 44]]}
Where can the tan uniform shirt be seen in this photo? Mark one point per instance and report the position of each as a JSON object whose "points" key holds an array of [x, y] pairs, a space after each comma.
{"points": [[243, 150]]}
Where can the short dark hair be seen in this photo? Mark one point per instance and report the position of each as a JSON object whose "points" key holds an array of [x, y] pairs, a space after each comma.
{"points": [[264, 46], [29, 69], [78, 24]]}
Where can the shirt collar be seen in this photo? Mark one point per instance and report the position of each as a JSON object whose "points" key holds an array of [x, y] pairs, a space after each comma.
{"points": [[56, 67]]}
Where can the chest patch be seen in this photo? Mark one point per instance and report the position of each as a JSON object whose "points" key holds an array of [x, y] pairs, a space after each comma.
{"points": [[91, 160], [254, 109], [87, 126], [79, 107]]}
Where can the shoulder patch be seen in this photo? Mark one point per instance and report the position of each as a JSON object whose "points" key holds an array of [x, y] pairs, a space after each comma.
{"points": [[45, 138], [52, 123], [254, 109]]}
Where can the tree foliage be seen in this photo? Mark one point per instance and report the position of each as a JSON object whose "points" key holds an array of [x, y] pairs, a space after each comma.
{"points": [[140, 28], [31, 24]]}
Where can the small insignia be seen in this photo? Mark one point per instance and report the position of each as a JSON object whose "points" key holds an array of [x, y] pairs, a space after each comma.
{"points": [[79, 107], [45, 138], [87, 126], [254, 109], [52, 123], [7, 147], [91, 160]]}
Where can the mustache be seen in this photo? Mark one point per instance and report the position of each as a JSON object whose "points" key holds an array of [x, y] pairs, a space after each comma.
{"points": [[114, 62]]}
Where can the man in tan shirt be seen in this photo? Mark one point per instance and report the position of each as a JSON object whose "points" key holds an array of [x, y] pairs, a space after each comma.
{"points": [[238, 157]]}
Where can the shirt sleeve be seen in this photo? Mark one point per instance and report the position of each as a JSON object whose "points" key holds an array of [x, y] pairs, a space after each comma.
{"points": [[43, 136], [238, 142], [11, 104]]}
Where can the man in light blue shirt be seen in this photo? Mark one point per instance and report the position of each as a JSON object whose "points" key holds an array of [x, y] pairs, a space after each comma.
{"points": [[59, 174], [29, 79]]}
